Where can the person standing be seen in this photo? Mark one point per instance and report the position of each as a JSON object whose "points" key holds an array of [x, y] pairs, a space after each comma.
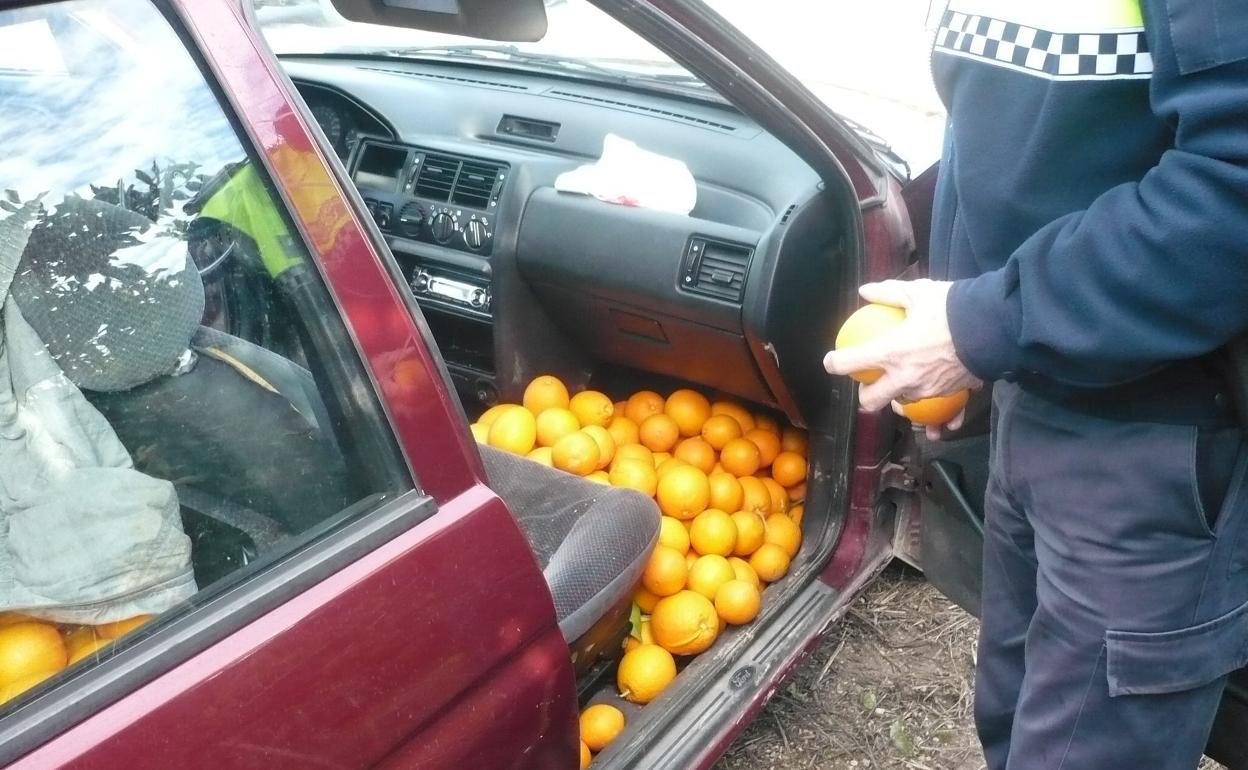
{"points": [[1089, 257]]}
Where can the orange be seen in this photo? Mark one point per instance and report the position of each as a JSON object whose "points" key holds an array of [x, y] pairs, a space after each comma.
{"points": [[865, 324], [690, 409], [936, 410], [78, 638], [635, 474], [661, 457], [768, 444], [726, 492], [684, 492], [576, 453], [797, 493], [708, 574], [545, 392], [645, 600], [493, 413], [515, 431], [697, 453], [796, 513], [713, 532], [789, 469], [665, 573], [742, 570], [659, 433], [685, 623], [600, 724], [30, 647], [769, 424], [778, 494], [586, 757], [669, 465], [756, 497], [770, 562], [633, 452], [120, 628], [741, 457], [555, 423], [543, 455], [88, 650], [592, 408], [644, 673], [17, 687], [721, 429], [606, 444], [737, 412], [672, 533], [783, 532], [643, 404], [751, 527], [599, 477], [692, 557], [719, 468], [738, 602], [794, 440], [480, 433], [623, 430]]}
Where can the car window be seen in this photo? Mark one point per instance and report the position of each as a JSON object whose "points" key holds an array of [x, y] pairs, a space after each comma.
{"points": [[179, 401]]}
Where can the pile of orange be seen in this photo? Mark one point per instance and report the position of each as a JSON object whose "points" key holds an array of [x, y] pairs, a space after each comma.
{"points": [[730, 482], [32, 650]]}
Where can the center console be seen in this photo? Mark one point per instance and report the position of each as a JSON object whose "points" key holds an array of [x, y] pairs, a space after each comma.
{"points": [[439, 211]]}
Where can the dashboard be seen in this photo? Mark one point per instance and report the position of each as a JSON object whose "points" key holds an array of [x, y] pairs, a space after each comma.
{"points": [[457, 166]]}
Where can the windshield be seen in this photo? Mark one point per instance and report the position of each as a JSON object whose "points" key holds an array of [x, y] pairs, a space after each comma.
{"points": [[867, 60]]}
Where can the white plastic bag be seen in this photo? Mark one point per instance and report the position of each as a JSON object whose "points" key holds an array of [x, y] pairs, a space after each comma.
{"points": [[630, 176]]}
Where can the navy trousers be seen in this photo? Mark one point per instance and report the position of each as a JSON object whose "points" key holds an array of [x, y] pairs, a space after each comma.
{"points": [[1115, 596]]}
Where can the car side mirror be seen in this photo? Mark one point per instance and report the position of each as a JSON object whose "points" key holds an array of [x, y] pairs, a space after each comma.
{"points": [[505, 20]]}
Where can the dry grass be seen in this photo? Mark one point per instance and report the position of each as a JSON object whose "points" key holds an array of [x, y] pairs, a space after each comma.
{"points": [[890, 688]]}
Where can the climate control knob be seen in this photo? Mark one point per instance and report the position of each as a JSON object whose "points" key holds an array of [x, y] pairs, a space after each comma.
{"points": [[475, 234], [443, 227]]}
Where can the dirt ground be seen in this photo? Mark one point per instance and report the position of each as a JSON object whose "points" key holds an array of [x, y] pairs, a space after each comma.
{"points": [[890, 689]]}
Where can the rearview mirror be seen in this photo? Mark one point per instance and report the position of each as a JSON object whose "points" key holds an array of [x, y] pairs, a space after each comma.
{"points": [[521, 21]]}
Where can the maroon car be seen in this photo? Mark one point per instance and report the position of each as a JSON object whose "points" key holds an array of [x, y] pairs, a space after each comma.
{"points": [[286, 284]]}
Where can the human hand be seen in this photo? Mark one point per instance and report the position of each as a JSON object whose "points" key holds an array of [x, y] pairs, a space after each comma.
{"points": [[918, 357]]}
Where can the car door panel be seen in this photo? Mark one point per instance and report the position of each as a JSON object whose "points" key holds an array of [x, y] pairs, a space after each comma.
{"points": [[358, 665]]}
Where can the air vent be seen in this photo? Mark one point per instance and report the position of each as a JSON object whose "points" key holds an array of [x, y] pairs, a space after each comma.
{"points": [[716, 268], [645, 108], [450, 78], [436, 177], [475, 184], [784, 220]]}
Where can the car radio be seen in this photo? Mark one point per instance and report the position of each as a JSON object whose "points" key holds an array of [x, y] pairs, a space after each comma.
{"points": [[456, 290]]}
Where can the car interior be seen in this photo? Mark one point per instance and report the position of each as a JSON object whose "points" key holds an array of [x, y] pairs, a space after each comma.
{"points": [[457, 166]]}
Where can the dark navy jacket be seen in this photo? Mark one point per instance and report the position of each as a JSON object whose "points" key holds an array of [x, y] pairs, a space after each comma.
{"points": [[1093, 198]]}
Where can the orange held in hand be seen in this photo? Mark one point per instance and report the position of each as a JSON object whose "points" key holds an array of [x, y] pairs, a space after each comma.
{"points": [[866, 324], [937, 410]]}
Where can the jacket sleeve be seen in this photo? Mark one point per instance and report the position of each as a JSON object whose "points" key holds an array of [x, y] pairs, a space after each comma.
{"points": [[1152, 271]]}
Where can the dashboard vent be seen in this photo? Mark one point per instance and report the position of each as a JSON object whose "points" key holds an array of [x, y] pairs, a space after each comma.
{"points": [[436, 177], [450, 78], [464, 182], [475, 184], [649, 110], [716, 268]]}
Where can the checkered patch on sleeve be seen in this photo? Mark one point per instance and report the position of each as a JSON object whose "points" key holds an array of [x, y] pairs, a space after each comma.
{"points": [[1118, 54]]}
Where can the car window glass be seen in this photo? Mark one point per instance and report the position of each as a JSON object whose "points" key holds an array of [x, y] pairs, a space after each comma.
{"points": [[177, 393]]}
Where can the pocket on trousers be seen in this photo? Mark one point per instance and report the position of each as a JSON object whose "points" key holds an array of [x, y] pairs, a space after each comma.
{"points": [[1176, 661], [1215, 457]]}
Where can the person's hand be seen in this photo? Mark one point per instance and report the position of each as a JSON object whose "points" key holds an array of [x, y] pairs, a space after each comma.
{"points": [[918, 357]]}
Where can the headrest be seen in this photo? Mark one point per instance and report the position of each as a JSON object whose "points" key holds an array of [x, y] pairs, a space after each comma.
{"points": [[115, 300]]}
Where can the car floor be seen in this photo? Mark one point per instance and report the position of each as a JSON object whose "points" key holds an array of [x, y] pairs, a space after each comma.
{"points": [[891, 687]]}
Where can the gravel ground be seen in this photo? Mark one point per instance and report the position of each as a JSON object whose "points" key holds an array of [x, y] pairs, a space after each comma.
{"points": [[891, 688]]}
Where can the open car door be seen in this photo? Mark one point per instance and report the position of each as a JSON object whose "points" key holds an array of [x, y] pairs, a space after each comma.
{"points": [[941, 530]]}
